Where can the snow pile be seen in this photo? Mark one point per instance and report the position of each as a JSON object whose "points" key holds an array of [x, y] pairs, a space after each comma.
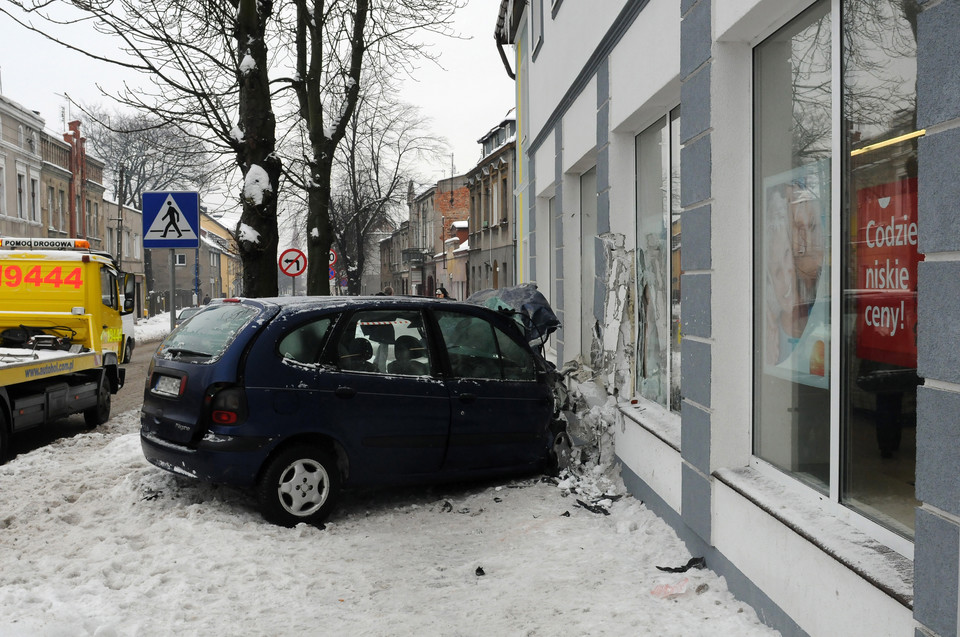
{"points": [[153, 328], [247, 233], [99, 542], [256, 184]]}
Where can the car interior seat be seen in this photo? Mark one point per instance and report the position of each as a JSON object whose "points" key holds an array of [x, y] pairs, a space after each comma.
{"points": [[357, 356], [405, 350]]}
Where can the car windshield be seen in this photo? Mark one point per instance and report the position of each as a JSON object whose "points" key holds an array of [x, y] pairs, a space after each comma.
{"points": [[206, 336], [187, 312]]}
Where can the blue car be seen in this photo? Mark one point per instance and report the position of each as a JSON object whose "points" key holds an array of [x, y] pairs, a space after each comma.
{"points": [[300, 397]]}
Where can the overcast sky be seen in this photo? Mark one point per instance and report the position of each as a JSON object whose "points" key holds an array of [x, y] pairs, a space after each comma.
{"points": [[464, 100]]}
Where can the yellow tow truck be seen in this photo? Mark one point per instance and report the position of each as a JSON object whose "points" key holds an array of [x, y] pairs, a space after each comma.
{"points": [[61, 333]]}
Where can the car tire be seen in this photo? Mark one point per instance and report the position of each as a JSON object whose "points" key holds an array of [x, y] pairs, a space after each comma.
{"points": [[4, 436], [299, 485], [99, 413], [128, 350]]}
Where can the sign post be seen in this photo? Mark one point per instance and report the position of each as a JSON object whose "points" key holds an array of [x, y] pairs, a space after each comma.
{"points": [[171, 220], [293, 263]]}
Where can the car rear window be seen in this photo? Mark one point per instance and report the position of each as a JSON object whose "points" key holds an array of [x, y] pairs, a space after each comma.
{"points": [[206, 336]]}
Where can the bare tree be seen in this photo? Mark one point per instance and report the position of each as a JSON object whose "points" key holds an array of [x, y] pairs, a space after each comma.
{"points": [[337, 44], [376, 159], [207, 64], [153, 155]]}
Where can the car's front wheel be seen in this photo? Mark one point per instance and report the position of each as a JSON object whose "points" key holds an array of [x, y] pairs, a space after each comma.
{"points": [[300, 484]]}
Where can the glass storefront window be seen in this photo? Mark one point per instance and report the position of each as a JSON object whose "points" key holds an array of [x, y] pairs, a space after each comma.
{"points": [[792, 143], [658, 261], [879, 379], [797, 419]]}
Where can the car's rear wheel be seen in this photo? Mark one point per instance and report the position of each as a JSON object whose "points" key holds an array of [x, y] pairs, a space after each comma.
{"points": [[300, 484], [99, 413]]}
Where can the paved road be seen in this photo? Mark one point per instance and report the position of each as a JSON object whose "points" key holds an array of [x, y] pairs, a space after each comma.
{"points": [[129, 397]]}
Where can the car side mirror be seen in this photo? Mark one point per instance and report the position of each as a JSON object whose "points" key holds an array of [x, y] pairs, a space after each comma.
{"points": [[129, 290]]}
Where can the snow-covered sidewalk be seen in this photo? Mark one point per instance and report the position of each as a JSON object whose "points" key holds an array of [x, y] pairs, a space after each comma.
{"points": [[95, 541]]}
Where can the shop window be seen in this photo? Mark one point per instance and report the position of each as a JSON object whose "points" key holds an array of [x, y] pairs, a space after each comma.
{"points": [[658, 261], [856, 446]]}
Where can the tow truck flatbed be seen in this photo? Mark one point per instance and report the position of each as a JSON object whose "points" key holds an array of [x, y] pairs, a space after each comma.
{"points": [[19, 366]]}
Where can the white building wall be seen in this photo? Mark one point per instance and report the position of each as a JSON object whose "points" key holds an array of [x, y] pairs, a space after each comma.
{"points": [[568, 42], [645, 67], [819, 592]]}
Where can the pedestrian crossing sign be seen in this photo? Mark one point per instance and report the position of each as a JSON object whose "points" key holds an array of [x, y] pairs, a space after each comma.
{"points": [[171, 220]]}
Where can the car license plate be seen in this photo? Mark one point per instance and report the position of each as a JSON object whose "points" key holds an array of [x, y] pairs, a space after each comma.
{"points": [[167, 385]]}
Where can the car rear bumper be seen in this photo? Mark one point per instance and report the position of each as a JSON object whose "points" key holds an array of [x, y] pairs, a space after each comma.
{"points": [[219, 459]]}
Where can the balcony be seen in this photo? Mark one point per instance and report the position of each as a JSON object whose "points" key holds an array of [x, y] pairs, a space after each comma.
{"points": [[414, 256]]}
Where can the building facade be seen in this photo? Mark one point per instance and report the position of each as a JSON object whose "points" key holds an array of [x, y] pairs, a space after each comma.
{"points": [[492, 260], [48, 185], [228, 281], [20, 171], [742, 212], [212, 270]]}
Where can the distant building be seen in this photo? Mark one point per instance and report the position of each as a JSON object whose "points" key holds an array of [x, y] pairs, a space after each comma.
{"points": [[492, 260], [228, 281], [49, 186]]}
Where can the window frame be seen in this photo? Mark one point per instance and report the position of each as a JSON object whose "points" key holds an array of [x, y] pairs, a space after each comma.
{"points": [[669, 123], [831, 501]]}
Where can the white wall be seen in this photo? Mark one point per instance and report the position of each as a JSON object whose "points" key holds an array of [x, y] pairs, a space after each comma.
{"points": [[568, 42]]}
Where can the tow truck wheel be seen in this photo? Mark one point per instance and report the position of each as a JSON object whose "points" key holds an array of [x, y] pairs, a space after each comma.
{"points": [[127, 351], [4, 437], [100, 413]]}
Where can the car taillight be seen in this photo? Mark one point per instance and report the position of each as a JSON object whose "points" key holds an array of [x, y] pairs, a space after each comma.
{"points": [[228, 405]]}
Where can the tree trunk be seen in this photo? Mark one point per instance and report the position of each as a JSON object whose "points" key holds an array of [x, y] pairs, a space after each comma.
{"points": [[256, 232], [319, 231]]}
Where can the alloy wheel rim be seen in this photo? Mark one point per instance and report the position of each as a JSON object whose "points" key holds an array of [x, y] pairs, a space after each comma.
{"points": [[304, 487]]}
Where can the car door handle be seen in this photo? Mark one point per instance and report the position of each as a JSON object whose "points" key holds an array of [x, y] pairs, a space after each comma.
{"points": [[345, 392], [467, 398]]}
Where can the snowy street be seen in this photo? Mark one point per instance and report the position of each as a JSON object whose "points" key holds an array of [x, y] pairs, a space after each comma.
{"points": [[96, 541]]}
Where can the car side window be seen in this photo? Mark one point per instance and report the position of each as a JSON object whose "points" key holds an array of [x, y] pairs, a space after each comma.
{"points": [[518, 363], [471, 345], [305, 343], [386, 342], [108, 288]]}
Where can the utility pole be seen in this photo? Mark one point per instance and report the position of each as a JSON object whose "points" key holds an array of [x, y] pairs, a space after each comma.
{"points": [[120, 218]]}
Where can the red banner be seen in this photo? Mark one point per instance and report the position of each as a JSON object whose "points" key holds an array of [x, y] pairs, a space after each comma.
{"points": [[887, 258]]}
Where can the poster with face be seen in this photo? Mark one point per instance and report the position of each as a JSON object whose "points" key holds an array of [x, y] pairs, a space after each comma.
{"points": [[796, 274], [887, 260]]}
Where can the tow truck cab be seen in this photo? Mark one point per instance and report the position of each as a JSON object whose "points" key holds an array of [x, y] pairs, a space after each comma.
{"points": [[59, 299]]}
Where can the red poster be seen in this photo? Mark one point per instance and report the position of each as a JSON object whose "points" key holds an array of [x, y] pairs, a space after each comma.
{"points": [[886, 248]]}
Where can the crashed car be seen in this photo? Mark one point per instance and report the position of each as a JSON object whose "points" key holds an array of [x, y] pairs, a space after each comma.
{"points": [[301, 397]]}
